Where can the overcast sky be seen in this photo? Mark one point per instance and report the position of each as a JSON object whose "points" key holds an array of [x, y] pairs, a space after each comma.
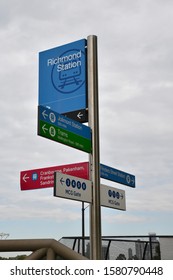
{"points": [[135, 63]]}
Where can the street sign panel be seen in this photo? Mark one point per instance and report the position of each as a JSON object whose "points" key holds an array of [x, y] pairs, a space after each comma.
{"points": [[117, 176], [44, 177], [61, 129], [71, 187], [62, 77], [112, 197], [79, 115]]}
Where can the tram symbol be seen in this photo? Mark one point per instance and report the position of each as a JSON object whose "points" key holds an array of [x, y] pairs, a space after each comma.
{"points": [[71, 76], [67, 76]]}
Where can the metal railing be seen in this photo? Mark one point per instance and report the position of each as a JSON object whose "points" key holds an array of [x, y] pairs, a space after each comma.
{"points": [[145, 247]]}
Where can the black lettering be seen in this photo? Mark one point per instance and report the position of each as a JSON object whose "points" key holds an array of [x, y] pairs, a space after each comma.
{"points": [[12, 272]]}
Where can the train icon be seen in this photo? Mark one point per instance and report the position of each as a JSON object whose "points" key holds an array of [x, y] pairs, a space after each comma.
{"points": [[66, 75], [70, 76]]}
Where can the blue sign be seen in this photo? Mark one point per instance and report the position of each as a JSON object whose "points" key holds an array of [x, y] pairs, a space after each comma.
{"points": [[54, 118], [117, 176], [62, 77]]}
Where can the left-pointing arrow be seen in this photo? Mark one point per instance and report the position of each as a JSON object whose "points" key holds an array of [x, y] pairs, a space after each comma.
{"points": [[44, 128], [62, 181], [25, 177], [79, 115], [44, 114]]}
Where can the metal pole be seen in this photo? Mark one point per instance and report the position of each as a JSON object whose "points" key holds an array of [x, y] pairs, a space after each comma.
{"points": [[93, 117], [151, 250], [83, 228]]}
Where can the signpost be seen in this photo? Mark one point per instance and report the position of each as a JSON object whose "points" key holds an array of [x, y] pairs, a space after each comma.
{"points": [[44, 177], [94, 159], [117, 176], [71, 187], [61, 129], [62, 78], [68, 97], [112, 198]]}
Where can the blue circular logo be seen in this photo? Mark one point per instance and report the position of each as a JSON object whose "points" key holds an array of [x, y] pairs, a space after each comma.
{"points": [[114, 194], [68, 182], [73, 183], [78, 185], [110, 193], [84, 186]]}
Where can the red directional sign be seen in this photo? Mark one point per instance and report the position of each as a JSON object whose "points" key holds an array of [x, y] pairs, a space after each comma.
{"points": [[44, 177]]}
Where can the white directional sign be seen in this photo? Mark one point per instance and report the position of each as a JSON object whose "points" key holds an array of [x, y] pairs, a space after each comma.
{"points": [[71, 187], [112, 197]]}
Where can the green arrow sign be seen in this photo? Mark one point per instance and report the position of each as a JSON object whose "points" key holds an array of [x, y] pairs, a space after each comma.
{"points": [[63, 136]]}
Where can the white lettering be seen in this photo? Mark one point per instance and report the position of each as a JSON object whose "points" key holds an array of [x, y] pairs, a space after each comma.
{"points": [[67, 66], [63, 134], [60, 60], [77, 126]]}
